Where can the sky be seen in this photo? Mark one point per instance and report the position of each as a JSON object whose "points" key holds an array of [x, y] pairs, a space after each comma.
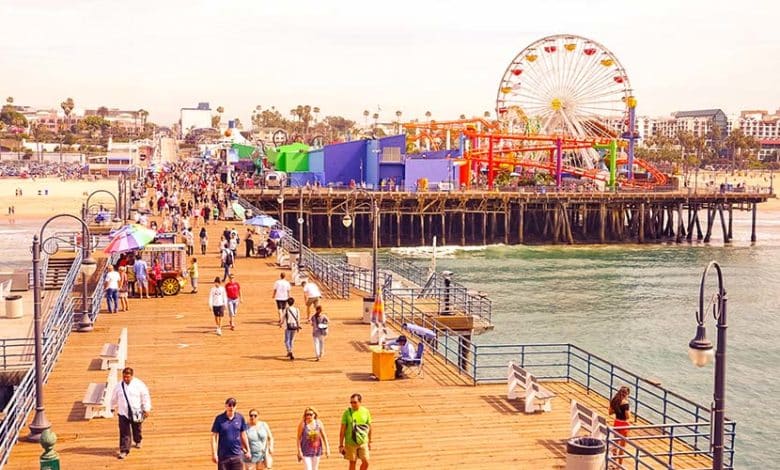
{"points": [[346, 56]]}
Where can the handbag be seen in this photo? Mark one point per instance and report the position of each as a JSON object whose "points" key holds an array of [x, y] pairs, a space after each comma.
{"points": [[136, 416], [295, 324]]}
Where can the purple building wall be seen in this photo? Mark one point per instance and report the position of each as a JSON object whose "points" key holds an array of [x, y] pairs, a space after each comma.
{"points": [[344, 162], [439, 170]]}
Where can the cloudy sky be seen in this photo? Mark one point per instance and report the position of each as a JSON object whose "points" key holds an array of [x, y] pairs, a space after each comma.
{"points": [[345, 56]]}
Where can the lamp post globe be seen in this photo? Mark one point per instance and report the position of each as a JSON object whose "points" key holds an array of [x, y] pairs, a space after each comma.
{"points": [[347, 221]]}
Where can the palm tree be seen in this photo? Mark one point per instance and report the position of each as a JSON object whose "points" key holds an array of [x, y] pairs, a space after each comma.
{"points": [[462, 117], [428, 115], [365, 117], [316, 111], [398, 121], [487, 114], [376, 118], [143, 114], [102, 112], [9, 101], [67, 107]]}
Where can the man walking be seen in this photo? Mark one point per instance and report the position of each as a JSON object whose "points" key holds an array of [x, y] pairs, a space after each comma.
{"points": [[281, 293], [217, 301], [355, 433], [312, 295], [140, 269], [132, 404], [233, 290], [111, 285], [227, 261], [229, 442]]}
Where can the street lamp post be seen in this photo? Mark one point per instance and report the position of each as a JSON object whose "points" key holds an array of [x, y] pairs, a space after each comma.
{"points": [[347, 222], [700, 353], [85, 323], [280, 200], [40, 423]]}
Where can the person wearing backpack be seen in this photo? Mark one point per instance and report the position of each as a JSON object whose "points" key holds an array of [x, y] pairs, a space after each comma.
{"points": [[319, 324], [291, 320], [355, 433]]}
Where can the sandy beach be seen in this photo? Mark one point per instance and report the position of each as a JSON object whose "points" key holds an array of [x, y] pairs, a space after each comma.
{"points": [[62, 197]]}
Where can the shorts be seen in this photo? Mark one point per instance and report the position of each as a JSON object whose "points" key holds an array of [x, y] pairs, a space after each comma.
{"points": [[141, 281], [281, 304], [219, 310], [122, 294], [315, 301], [352, 452], [621, 427]]}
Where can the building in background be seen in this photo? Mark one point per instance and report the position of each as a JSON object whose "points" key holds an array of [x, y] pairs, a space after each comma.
{"points": [[195, 118]]}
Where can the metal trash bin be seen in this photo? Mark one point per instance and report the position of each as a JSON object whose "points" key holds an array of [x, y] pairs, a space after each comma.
{"points": [[585, 453], [14, 308], [368, 307]]}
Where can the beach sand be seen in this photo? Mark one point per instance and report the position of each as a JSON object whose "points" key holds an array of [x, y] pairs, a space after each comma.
{"points": [[63, 196]]}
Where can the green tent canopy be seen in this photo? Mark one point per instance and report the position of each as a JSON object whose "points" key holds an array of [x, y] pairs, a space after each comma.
{"points": [[291, 158], [244, 151]]}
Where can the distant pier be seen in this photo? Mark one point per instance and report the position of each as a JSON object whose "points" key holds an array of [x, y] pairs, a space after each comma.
{"points": [[511, 218]]}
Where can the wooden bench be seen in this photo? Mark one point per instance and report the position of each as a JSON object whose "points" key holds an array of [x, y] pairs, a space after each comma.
{"points": [[585, 419], [97, 398], [536, 397], [114, 353], [282, 258]]}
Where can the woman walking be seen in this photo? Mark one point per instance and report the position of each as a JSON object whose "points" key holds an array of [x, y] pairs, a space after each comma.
{"points": [[319, 329], [311, 439], [194, 275], [204, 240], [123, 289], [261, 443], [619, 406], [292, 323]]}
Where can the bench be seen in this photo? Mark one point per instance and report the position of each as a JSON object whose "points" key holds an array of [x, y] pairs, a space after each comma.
{"points": [[536, 397], [114, 353], [585, 419], [97, 398], [282, 258]]}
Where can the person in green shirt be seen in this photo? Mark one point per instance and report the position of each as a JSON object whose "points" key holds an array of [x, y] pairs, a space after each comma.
{"points": [[355, 433]]}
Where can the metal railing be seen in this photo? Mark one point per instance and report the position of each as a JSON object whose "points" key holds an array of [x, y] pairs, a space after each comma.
{"points": [[16, 352], [55, 333], [334, 276], [635, 449]]}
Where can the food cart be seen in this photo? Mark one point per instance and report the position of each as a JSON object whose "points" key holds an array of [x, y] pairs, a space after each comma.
{"points": [[173, 259]]}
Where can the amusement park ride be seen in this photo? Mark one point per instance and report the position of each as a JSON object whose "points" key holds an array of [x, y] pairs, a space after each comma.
{"points": [[564, 105]]}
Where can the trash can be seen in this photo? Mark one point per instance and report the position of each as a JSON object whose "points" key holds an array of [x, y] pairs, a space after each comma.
{"points": [[585, 453], [368, 307], [14, 308]]}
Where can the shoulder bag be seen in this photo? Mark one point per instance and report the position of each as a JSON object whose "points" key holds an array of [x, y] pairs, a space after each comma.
{"points": [[136, 416]]}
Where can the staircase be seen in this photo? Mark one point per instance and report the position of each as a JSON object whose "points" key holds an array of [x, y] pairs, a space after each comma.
{"points": [[56, 273]]}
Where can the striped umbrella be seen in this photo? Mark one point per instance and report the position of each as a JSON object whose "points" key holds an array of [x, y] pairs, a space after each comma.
{"points": [[378, 312], [130, 237]]}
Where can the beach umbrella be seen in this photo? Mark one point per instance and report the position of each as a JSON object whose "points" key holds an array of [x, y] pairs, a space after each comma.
{"points": [[276, 234], [239, 211], [130, 237], [420, 331], [261, 220]]}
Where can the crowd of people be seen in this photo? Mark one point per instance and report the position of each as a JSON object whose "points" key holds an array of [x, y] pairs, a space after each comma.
{"points": [[185, 201]]}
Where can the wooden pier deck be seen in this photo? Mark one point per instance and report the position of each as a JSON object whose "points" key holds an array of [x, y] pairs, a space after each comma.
{"points": [[437, 421]]}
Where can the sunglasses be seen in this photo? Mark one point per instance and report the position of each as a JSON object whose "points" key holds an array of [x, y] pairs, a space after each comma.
{"points": [[253, 416], [231, 405], [308, 414], [353, 403]]}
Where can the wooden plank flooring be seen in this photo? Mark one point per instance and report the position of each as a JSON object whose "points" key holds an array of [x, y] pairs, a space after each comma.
{"points": [[437, 421]]}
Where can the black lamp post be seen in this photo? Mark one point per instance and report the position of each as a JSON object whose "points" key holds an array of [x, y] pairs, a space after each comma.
{"points": [[85, 323], [88, 266], [700, 353], [347, 222]]}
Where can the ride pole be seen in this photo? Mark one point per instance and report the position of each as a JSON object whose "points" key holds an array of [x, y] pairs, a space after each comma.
{"points": [[558, 162], [490, 163], [612, 163], [631, 135]]}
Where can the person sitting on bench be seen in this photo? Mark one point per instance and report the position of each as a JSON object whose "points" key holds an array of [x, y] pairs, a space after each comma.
{"points": [[406, 354]]}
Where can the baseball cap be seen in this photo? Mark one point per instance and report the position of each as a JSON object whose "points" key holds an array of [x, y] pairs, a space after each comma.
{"points": [[230, 401]]}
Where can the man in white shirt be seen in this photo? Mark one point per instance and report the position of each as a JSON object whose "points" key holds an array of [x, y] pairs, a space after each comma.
{"points": [[111, 285], [130, 401], [282, 290], [406, 354], [312, 295]]}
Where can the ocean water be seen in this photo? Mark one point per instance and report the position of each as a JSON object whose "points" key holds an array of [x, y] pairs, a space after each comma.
{"points": [[634, 305]]}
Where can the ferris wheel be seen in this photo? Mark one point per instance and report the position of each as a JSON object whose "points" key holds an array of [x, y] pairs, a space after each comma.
{"points": [[565, 85]]}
